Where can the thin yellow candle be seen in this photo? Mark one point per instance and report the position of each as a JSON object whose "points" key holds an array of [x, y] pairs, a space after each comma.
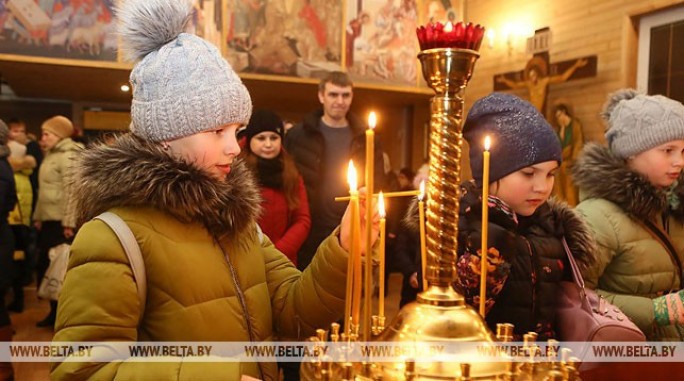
{"points": [[381, 297], [370, 149], [353, 210], [421, 221], [356, 247], [410, 193], [485, 223]]}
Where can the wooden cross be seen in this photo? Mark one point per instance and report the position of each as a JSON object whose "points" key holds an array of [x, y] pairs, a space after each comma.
{"points": [[539, 73]]}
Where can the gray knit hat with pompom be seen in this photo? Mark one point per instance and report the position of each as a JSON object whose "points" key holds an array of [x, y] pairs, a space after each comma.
{"points": [[181, 84], [639, 122]]}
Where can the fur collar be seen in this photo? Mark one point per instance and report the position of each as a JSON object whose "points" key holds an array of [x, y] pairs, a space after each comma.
{"points": [[600, 174], [134, 172], [556, 218]]}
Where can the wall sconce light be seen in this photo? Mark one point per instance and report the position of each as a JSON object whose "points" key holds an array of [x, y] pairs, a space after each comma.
{"points": [[511, 35], [491, 37], [125, 88]]}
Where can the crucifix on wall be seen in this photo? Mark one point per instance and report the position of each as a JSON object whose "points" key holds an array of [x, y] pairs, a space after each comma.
{"points": [[539, 73]]}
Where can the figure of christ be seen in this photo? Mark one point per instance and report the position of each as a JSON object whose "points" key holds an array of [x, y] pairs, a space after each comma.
{"points": [[537, 82]]}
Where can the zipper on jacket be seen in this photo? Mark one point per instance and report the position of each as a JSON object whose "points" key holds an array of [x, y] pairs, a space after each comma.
{"points": [[241, 298], [534, 280]]}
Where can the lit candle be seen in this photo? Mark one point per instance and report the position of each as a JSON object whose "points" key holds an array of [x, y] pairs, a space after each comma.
{"points": [[485, 223], [381, 297], [370, 137], [353, 211], [421, 221], [409, 193]]}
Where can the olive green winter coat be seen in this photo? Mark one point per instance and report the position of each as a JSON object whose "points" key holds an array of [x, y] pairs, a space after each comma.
{"points": [[210, 276], [632, 267]]}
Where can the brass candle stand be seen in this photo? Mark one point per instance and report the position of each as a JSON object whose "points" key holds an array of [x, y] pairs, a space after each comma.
{"points": [[439, 314]]}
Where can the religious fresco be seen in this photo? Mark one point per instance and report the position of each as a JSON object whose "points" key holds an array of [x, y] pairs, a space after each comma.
{"points": [[300, 38], [75, 29], [207, 20], [381, 41], [442, 11]]}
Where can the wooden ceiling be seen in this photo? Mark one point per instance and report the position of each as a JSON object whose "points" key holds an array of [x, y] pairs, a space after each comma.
{"points": [[64, 80]]}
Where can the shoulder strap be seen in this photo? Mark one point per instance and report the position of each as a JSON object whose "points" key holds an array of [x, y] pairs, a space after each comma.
{"points": [[576, 274], [664, 240], [132, 249]]}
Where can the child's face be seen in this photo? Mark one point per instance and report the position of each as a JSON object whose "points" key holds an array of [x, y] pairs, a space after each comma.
{"points": [[213, 150], [661, 165], [266, 144], [526, 189]]}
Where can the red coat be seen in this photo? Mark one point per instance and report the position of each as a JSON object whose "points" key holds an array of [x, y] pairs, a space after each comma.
{"points": [[287, 229]]}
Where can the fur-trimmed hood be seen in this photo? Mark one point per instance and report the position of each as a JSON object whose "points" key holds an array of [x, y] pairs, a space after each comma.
{"points": [[133, 172], [600, 174], [555, 217]]}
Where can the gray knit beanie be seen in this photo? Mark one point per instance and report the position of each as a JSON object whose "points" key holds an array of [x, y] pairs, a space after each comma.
{"points": [[639, 122], [181, 85], [521, 137]]}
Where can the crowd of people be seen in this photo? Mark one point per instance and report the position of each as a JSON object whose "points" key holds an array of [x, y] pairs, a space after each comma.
{"points": [[242, 239]]}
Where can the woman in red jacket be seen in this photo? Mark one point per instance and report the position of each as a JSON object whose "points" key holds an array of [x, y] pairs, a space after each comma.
{"points": [[285, 218]]}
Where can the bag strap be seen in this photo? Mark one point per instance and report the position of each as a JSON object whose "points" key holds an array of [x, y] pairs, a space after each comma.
{"points": [[132, 249], [576, 274], [664, 240]]}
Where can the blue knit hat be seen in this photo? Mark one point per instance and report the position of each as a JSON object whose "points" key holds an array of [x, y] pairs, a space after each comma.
{"points": [[520, 135], [181, 84]]}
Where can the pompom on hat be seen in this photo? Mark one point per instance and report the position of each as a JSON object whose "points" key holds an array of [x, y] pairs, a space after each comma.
{"points": [[59, 126], [181, 84], [521, 137], [639, 122]]}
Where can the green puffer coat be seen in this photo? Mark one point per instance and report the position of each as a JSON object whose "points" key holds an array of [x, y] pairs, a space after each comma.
{"points": [[55, 190], [209, 275], [632, 267]]}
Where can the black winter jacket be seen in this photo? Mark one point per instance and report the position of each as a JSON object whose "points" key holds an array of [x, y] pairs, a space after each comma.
{"points": [[527, 261], [306, 144]]}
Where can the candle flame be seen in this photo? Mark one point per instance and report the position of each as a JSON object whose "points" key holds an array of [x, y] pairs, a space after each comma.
{"points": [[487, 143], [422, 191], [381, 205], [351, 177], [372, 120]]}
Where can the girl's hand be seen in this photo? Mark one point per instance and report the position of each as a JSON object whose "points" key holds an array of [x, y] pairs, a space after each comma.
{"points": [[413, 280], [345, 225]]}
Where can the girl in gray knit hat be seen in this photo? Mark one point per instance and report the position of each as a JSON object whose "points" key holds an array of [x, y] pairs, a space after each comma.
{"points": [[192, 206], [631, 195]]}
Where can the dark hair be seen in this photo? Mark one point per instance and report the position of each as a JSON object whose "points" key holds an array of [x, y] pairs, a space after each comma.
{"points": [[564, 108], [337, 78], [16, 121], [407, 172], [290, 174]]}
